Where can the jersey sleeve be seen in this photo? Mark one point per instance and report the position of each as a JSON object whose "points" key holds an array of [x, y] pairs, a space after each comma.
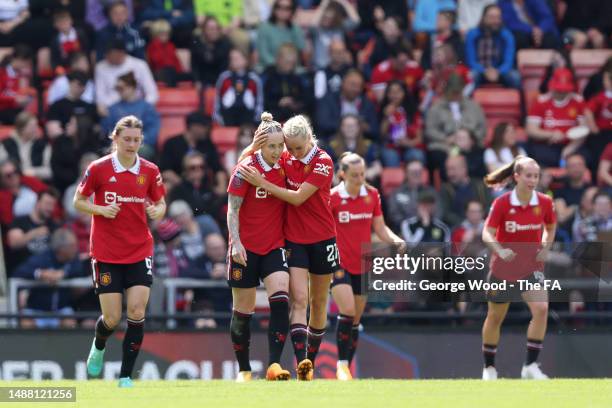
{"points": [[237, 185], [157, 190], [536, 113], [549, 214], [377, 205], [322, 172], [88, 184], [594, 104], [496, 215]]}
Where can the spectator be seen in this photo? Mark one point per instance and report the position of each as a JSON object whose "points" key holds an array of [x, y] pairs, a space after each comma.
{"points": [[332, 20], [17, 192], [278, 31], [197, 190], [469, 13], [195, 138], [15, 77], [585, 22], [285, 91], [68, 39], [161, 54], [374, 12], [550, 117], [402, 204], [119, 28], [426, 12], [60, 261], [239, 93], [171, 258], [12, 15], [84, 162], [132, 103], [209, 53], [591, 228], [191, 234], [390, 36], [60, 86], [567, 198], [329, 79], [604, 172], [559, 59], [178, 13], [465, 143], [81, 228], [29, 234], [503, 149], [532, 23], [27, 148], [599, 119], [71, 105], [216, 267], [595, 83], [467, 236], [245, 137], [459, 190], [490, 51], [425, 226], [115, 64], [350, 100], [445, 33], [573, 224], [400, 66], [400, 126], [239, 19], [445, 117], [350, 139], [97, 12]]}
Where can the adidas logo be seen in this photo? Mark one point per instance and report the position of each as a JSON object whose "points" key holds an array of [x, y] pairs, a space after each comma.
{"points": [[512, 211], [112, 179]]}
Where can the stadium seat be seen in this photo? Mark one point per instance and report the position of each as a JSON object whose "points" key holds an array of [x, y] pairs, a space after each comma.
{"points": [[391, 178], [170, 126], [177, 101], [499, 104], [588, 62], [532, 65], [209, 100], [224, 138], [5, 131], [184, 57]]}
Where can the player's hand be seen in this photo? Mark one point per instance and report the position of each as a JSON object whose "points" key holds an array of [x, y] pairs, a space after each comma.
{"points": [[251, 175], [506, 254], [259, 139], [401, 246], [155, 212], [38, 232], [542, 255], [239, 253], [109, 211]]}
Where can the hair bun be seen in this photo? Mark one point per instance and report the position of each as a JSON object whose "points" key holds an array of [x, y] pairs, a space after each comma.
{"points": [[267, 117]]}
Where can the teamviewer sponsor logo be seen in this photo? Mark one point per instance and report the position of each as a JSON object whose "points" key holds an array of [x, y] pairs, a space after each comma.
{"points": [[344, 217], [512, 227], [261, 192], [111, 197]]}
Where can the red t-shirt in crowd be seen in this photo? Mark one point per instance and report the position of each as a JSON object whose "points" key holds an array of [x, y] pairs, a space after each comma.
{"points": [[410, 75], [601, 106], [519, 228], [261, 216], [125, 239], [353, 218], [554, 115], [312, 221]]}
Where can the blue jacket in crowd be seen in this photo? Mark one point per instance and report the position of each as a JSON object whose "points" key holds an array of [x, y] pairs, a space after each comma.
{"points": [[504, 41], [537, 10]]}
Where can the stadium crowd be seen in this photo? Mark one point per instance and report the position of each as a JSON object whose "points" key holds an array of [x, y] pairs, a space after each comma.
{"points": [[409, 85]]}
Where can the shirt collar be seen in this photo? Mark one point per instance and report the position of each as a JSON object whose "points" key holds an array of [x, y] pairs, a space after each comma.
{"points": [[263, 163], [515, 201], [118, 167], [344, 193], [562, 102], [608, 94], [308, 158]]}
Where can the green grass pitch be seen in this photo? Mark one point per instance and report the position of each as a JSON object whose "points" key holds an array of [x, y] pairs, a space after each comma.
{"points": [[581, 393]]}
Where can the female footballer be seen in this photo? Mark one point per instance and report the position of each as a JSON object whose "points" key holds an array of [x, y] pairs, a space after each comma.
{"points": [[309, 231], [356, 209], [255, 221], [519, 231], [126, 189]]}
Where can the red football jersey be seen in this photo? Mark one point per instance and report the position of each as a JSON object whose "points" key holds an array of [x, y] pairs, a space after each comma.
{"points": [[261, 215], [353, 218], [125, 239], [384, 73], [313, 220], [519, 228], [553, 115], [601, 106]]}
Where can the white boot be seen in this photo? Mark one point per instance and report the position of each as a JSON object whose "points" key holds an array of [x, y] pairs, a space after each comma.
{"points": [[489, 373], [533, 372]]}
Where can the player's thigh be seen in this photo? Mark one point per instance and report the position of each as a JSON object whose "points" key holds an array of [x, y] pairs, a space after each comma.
{"points": [[298, 287], [537, 301], [497, 311], [344, 298], [360, 304], [243, 299], [319, 286], [111, 305], [137, 298], [276, 282]]}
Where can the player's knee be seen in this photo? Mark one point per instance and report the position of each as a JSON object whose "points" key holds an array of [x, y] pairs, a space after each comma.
{"points": [[539, 310], [299, 301], [136, 312], [495, 318], [320, 301], [112, 320]]}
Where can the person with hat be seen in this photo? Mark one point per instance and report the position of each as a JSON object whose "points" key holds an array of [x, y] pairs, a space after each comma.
{"points": [[551, 116]]}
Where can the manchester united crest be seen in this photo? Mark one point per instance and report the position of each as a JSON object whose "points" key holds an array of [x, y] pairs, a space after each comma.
{"points": [[236, 274], [307, 169], [537, 211], [367, 199], [105, 279], [571, 112], [141, 179]]}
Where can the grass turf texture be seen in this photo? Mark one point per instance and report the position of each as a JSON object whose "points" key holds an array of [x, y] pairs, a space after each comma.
{"points": [[326, 393]]}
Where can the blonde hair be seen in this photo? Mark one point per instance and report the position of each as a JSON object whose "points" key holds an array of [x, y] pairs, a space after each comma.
{"points": [[159, 27], [268, 124], [346, 160], [126, 122], [503, 175], [299, 126]]}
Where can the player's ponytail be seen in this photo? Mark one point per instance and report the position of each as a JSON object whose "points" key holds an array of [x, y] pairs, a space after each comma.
{"points": [[268, 124], [503, 175], [299, 127], [126, 122]]}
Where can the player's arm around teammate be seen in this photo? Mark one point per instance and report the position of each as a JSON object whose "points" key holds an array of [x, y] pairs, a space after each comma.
{"points": [[515, 221], [255, 222], [126, 190]]}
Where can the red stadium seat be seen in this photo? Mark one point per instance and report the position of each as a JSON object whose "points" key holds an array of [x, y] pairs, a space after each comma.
{"points": [[5, 131], [209, 100], [500, 104], [588, 62], [177, 101], [532, 65], [225, 138], [391, 178]]}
